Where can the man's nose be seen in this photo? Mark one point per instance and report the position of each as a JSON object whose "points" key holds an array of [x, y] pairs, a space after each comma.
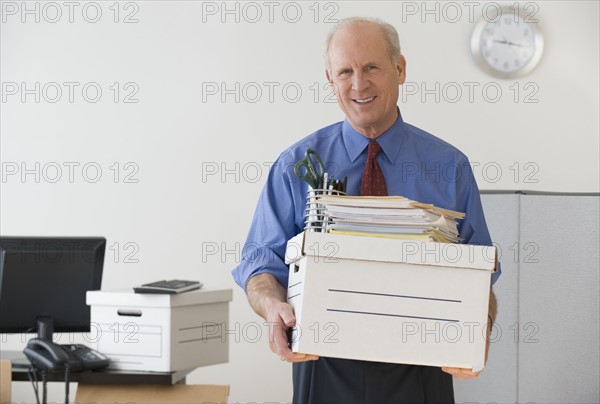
{"points": [[359, 81]]}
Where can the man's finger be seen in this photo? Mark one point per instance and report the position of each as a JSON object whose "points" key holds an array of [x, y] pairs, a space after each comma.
{"points": [[287, 315], [285, 353], [298, 357], [280, 342], [461, 373]]}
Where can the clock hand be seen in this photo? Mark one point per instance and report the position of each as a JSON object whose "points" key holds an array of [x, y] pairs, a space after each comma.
{"points": [[518, 49], [516, 44]]}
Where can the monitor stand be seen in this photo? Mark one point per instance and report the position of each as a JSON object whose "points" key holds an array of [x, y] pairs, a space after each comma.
{"points": [[45, 328]]}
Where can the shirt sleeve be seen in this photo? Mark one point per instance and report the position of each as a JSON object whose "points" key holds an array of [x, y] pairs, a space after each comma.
{"points": [[473, 228], [272, 226]]}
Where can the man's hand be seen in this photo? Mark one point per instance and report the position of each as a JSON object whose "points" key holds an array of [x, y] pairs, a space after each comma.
{"points": [[267, 298], [280, 317], [462, 373], [466, 374]]}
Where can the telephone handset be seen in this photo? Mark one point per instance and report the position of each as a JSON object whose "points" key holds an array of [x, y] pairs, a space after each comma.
{"points": [[46, 355]]}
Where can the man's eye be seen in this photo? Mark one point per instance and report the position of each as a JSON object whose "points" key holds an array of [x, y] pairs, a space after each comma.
{"points": [[371, 67], [344, 73]]}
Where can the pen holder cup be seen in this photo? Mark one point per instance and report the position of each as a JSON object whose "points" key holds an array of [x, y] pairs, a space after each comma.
{"points": [[315, 217]]}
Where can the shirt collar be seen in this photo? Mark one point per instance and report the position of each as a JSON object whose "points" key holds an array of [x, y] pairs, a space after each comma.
{"points": [[390, 140]]}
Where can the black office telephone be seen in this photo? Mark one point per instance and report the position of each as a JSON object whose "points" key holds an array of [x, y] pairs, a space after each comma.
{"points": [[46, 355]]}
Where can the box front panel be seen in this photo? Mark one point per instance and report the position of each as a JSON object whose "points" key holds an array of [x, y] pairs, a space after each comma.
{"points": [[133, 342], [130, 339], [394, 312]]}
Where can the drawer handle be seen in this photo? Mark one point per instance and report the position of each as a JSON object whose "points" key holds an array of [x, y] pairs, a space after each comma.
{"points": [[130, 313]]}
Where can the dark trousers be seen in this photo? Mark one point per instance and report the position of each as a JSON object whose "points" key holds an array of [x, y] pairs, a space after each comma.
{"points": [[343, 381]]}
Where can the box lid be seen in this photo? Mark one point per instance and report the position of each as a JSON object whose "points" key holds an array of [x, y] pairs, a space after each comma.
{"points": [[127, 297], [332, 247]]}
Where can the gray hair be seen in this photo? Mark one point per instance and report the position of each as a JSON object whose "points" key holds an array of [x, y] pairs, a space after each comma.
{"points": [[389, 32]]}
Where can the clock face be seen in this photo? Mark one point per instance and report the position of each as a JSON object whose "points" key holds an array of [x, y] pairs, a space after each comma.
{"points": [[507, 46]]}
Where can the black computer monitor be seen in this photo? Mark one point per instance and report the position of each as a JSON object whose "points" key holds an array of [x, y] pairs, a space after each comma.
{"points": [[44, 280]]}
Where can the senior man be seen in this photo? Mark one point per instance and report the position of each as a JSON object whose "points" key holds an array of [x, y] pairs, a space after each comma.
{"points": [[365, 69]]}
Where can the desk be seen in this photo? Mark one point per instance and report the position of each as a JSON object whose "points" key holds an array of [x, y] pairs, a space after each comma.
{"points": [[105, 376]]}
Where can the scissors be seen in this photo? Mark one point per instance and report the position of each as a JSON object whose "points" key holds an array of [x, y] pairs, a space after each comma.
{"points": [[313, 174]]}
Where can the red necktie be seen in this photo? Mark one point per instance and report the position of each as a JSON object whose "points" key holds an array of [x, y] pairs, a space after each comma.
{"points": [[373, 182]]}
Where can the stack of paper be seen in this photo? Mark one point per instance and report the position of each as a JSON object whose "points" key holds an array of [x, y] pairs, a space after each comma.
{"points": [[390, 216]]}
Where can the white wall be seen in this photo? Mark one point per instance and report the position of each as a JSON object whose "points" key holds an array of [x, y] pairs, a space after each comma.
{"points": [[179, 133]]}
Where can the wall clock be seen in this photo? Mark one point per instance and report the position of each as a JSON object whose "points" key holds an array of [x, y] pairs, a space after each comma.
{"points": [[509, 45]]}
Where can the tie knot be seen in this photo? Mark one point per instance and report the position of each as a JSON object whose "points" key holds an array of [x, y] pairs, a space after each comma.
{"points": [[374, 148]]}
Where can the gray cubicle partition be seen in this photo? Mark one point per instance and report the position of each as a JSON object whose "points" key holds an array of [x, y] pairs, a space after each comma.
{"points": [[546, 342]]}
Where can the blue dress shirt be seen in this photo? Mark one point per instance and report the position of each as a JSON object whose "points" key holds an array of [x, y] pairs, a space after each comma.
{"points": [[415, 164]]}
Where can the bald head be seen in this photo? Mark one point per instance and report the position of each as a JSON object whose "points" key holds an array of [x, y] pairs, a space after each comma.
{"points": [[388, 32]]}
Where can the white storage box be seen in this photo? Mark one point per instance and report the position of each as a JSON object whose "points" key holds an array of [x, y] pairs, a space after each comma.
{"points": [[159, 332], [388, 300]]}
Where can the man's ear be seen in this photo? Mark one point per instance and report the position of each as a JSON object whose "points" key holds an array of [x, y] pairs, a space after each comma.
{"points": [[332, 85], [401, 67]]}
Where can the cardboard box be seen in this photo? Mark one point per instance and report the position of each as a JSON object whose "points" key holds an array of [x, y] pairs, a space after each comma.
{"points": [[389, 300], [160, 333], [151, 394]]}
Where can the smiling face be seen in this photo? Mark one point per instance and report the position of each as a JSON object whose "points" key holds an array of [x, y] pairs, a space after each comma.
{"points": [[364, 78]]}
